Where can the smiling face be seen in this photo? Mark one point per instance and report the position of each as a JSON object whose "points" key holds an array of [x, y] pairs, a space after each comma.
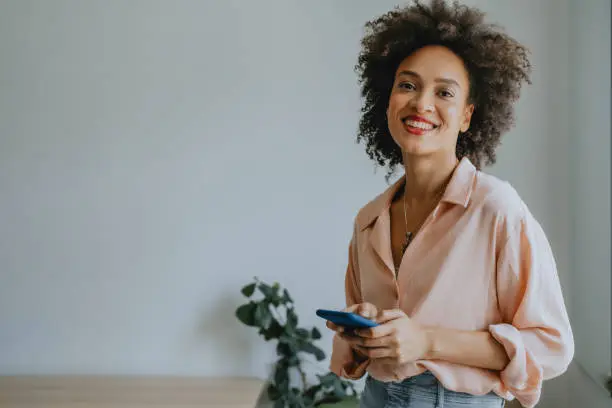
{"points": [[428, 105]]}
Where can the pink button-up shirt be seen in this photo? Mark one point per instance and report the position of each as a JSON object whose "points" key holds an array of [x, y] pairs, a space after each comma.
{"points": [[480, 262]]}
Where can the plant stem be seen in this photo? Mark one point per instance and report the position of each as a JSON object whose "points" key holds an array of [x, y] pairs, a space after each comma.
{"points": [[303, 377]]}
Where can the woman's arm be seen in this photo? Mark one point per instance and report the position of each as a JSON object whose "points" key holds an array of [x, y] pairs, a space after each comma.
{"points": [[400, 339], [345, 360], [471, 348]]}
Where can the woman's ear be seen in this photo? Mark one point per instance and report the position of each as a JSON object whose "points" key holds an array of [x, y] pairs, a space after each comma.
{"points": [[467, 117]]}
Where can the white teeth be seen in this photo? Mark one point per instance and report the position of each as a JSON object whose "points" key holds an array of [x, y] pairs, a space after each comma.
{"points": [[419, 124]]}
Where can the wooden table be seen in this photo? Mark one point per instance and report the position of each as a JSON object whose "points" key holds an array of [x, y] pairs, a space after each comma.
{"points": [[127, 392], [131, 392]]}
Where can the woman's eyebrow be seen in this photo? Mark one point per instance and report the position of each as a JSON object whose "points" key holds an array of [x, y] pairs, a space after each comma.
{"points": [[449, 81]]}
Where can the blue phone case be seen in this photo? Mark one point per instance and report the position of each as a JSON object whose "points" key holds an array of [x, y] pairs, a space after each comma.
{"points": [[346, 319]]}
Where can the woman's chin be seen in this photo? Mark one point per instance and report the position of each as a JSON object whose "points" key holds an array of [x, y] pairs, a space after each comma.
{"points": [[414, 149]]}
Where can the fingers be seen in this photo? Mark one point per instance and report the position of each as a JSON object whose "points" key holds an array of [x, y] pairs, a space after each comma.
{"points": [[367, 310], [386, 326], [385, 349], [370, 311], [378, 352], [390, 360], [388, 315], [385, 355], [382, 330], [386, 341], [351, 308], [334, 327]]}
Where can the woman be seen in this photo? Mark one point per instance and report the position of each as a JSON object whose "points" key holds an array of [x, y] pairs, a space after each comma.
{"points": [[448, 260]]}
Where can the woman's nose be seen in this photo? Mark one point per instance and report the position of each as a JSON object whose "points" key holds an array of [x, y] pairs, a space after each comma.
{"points": [[423, 102]]}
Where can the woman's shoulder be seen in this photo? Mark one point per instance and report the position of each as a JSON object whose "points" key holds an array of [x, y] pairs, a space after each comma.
{"points": [[499, 203], [496, 197], [490, 197], [373, 208]]}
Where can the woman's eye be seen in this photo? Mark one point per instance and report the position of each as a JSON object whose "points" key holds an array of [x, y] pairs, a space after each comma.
{"points": [[446, 94], [407, 85]]}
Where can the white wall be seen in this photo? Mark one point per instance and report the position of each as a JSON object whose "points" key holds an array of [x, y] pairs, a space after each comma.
{"points": [[156, 155], [589, 124]]}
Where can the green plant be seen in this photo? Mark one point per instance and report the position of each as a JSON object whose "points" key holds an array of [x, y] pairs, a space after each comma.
{"points": [[275, 317]]}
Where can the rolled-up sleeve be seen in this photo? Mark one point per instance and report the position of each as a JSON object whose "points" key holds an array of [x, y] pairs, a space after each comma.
{"points": [[344, 361], [535, 332]]}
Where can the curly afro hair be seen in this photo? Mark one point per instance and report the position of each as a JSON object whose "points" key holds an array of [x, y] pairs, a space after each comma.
{"points": [[497, 65]]}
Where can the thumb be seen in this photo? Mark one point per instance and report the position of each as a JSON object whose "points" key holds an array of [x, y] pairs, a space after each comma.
{"points": [[388, 315], [367, 310]]}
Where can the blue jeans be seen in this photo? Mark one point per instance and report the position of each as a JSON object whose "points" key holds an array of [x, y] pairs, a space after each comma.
{"points": [[421, 391]]}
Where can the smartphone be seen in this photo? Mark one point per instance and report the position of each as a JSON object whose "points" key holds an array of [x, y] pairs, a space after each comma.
{"points": [[346, 319]]}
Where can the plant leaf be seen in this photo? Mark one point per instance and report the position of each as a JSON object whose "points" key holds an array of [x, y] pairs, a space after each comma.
{"points": [[292, 319], [248, 290], [307, 401], [276, 300], [246, 313], [281, 379], [283, 350], [328, 399], [273, 392], [293, 361], [302, 333], [328, 379], [263, 317], [286, 297], [274, 331], [292, 346], [266, 290], [339, 390], [316, 334], [312, 391], [312, 349]]}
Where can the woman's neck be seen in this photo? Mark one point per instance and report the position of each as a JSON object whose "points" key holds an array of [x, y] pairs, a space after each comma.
{"points": [[427, 177]]}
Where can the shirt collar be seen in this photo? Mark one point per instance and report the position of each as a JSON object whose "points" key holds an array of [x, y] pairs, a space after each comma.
{"points": [[458, 191]]}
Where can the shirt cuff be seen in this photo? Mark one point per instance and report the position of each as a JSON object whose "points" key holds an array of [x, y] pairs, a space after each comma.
{"points": [[345, 362], [522, 377]]}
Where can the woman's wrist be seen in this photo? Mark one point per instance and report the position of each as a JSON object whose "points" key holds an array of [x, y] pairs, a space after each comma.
{"points": [[471, 348], [431, 336]]}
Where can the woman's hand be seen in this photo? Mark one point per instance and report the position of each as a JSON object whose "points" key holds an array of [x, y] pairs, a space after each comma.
{"points": [[397, 339], [367, 310]]}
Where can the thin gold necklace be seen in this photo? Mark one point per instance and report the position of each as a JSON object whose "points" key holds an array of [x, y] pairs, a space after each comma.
{"points": [[408, 238], [409, 234]]}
